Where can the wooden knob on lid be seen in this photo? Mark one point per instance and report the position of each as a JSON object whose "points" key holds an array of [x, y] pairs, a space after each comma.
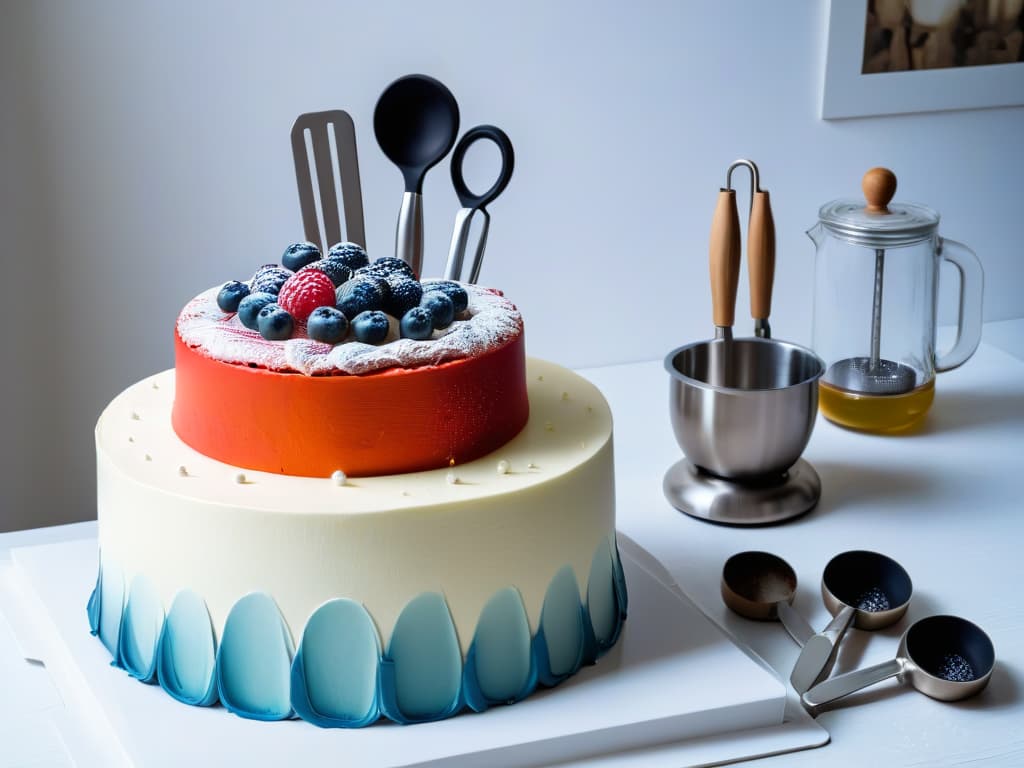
{"points": [[879, 185]]}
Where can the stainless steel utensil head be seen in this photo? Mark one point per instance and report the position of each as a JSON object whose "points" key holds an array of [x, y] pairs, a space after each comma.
{"points": [[945, 657], [320, 125], [859, 374]]}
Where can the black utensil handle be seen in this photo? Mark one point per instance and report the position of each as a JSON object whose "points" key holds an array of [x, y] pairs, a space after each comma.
{"points": [[508, 159]]}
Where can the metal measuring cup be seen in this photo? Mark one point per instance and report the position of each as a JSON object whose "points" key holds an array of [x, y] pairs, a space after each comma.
{"points": [[761, 586], [945, 657], [866, 589]]}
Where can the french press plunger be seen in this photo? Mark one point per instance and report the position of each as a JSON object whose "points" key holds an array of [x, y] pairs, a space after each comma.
{"points": [[875, 288]]}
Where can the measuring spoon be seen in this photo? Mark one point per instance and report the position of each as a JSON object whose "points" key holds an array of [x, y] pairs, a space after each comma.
{"points": [[945, 657], [866, 589], [416, 121], [761, 586]]}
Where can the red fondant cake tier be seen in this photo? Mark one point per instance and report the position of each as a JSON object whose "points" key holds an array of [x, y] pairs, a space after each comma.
{"points": [[391, 421]]}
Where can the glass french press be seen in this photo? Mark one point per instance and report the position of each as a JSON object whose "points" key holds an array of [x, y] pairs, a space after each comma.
{"points": [[875, 292]]}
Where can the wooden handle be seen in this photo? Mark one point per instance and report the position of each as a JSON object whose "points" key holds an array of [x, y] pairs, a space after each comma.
{"points": [[724, 258], [879, 185], [761, 256]]}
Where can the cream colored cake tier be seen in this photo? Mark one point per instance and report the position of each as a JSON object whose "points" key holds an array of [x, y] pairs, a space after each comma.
{"points": [[497, 537]]}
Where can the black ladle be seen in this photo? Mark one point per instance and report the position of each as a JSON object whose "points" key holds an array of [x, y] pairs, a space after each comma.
{"points": [[416, 122]]}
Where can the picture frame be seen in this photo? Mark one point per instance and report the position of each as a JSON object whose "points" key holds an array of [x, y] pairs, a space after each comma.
{"points": [[848, 93]]}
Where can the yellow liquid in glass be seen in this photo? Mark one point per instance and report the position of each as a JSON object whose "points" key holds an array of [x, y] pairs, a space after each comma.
{"points": [[875, 413]]}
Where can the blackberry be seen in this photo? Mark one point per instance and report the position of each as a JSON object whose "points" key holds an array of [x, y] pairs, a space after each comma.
{"points": [[371, 327], [352, 255], [249, 308], [390, 265], [452, 290], [358, 295], [269, 278], [334, 269], [231, 295], [298, 255], [440, 307], [405, 294]]}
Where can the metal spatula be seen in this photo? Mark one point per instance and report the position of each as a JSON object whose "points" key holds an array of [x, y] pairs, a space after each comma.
{"points": [[318, 124]]}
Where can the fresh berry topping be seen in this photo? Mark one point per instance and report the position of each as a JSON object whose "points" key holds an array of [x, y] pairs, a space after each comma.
{"points": [[298, 255], [417, 323], [360, 294], [352, 255], [453, 290], [333, 268], [249, 308], [231, 295], [326, 324], [275, 323], [305, 291], [269, 278], [388, 266], [440, 307], [405, 294], [371, 327]]}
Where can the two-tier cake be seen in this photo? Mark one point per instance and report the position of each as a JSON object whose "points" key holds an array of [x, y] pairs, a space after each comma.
{"points": [[355, 497]]}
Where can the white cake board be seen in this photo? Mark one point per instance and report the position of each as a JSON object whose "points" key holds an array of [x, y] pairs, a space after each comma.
{"points": [[674, 691]]}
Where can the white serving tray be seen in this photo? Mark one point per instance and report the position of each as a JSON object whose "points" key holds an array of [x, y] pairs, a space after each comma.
{"points": [[675, 690]]}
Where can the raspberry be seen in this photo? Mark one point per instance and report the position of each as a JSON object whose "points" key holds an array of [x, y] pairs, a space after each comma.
{"points": [[305, 291]]}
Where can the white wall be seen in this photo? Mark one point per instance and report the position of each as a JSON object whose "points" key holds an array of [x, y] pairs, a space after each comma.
{"points": [[145, 157]]}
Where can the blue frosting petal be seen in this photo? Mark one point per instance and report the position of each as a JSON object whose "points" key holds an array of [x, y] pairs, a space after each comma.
{"points": [[334, 674], [606, 601], [499, 666], [558, 645], [141, 624], [111, 604], [186, 652], [92, 608], [421, 675], [254, 660]]}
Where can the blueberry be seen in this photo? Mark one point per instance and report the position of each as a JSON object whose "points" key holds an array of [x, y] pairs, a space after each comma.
{"points": [[269, 278], [417, 323], [440, 307], [249, 308], [359, 295], [371, 327], [388, 266], [453, 290], [405, 294], [298, 255], [334, 269], [274, 323], [326, 324], [231, 294], [352, 255]]}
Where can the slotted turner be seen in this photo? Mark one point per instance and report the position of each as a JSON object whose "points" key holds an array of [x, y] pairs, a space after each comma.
{"points": [[319, 124]]}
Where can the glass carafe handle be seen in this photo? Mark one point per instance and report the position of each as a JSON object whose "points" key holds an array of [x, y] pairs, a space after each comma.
{"points": [[968, 324]]}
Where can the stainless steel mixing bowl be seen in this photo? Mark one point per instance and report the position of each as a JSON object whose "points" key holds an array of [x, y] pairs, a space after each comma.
{"points": [[743, 409]]}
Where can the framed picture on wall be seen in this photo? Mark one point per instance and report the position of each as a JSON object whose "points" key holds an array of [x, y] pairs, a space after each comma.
{"points": [[893, 56]]}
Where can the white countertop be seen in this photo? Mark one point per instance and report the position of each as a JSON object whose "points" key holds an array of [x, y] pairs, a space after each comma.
{"points": [[944, 501]]}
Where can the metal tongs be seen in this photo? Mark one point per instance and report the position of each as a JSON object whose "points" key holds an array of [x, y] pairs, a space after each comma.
{"points": [[725, 255], [318, 124], [471, 203]]}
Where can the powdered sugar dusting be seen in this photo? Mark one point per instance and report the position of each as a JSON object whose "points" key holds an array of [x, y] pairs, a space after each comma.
{"points": [[490, 321]]}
